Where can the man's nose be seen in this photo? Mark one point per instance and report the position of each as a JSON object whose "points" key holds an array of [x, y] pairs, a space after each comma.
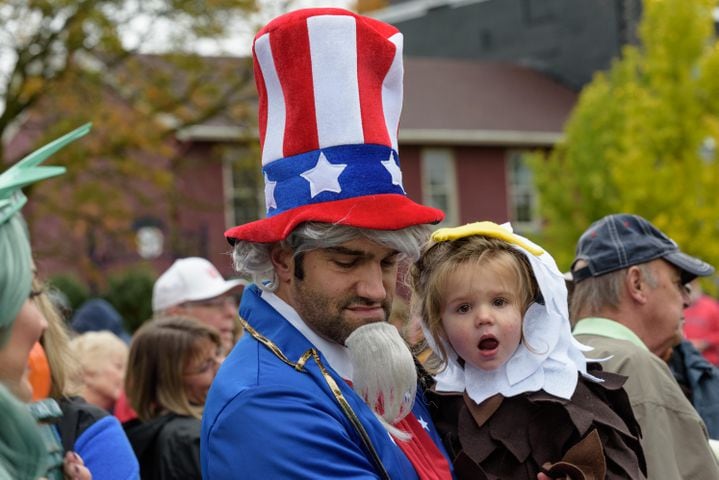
{"points": [[229, 306], [370, 284], [685, 295]]}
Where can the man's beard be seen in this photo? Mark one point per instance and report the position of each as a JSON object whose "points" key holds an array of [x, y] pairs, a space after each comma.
{"points": [[329, 316], [384, 373]]}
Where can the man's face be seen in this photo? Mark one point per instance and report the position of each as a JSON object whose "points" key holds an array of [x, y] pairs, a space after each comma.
{"points": [[219, 312], [341, 288], [666, 307]]}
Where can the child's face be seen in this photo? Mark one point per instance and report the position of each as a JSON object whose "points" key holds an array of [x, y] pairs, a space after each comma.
{"points": [[481, 313]]}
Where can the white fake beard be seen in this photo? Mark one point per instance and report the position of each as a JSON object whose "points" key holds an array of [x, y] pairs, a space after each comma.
{"points": [[384, 373]]}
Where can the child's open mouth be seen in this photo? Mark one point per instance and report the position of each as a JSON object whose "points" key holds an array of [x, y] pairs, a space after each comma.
{"points": [[488, 344]]}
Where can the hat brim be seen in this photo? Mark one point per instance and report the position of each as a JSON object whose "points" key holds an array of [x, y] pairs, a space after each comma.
{"points": [[376, 212], [216, 290], [691, 267]]}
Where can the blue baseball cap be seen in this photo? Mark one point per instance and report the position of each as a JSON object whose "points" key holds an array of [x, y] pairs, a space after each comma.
{"points": [[621, 240]]}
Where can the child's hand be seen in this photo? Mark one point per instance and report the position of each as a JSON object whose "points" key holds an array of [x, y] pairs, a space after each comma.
{"points": [[75, 468], [544, 476]]}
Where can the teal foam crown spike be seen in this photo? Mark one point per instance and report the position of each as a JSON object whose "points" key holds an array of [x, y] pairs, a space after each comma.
{"points": [[27, 171]]}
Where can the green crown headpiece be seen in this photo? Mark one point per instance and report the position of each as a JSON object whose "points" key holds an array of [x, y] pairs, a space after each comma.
{"points": [[27, 171]]}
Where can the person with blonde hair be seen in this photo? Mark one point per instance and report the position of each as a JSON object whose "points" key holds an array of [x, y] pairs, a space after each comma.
{"points": [[103, 362], [516, 397], [172, 363], [86, 428]]}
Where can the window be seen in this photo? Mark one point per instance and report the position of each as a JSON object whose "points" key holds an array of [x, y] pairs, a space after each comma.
{"points": [[244, 186], [439, 183], [523, 199]]}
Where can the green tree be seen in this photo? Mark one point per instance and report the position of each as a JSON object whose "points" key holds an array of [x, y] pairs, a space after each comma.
{"points": [[641, 138], [67, 62], [130, 292]]}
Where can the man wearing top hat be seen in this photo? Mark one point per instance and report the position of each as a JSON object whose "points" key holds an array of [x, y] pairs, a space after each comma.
{"points": [[628, 301], [321, 385]]}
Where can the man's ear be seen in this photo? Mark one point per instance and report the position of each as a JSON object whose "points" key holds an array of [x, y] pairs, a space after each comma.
{"points": [[283, 262], [635, 285]]}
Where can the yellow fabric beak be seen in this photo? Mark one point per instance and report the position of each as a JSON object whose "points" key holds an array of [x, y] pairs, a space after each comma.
{"points": [[487, 229]]}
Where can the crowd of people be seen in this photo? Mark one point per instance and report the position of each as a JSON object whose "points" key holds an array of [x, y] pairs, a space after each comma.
{"points": [[491, 371]]}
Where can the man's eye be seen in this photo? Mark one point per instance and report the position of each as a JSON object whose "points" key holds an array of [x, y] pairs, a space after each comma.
{"points": [[389, 262], [345, 263]]}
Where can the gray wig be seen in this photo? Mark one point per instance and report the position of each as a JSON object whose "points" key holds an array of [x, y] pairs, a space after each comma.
{"points": [[253, 259]]}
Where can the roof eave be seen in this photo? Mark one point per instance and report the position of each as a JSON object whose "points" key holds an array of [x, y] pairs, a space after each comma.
{"points": [[511, 138], [422, 136]]}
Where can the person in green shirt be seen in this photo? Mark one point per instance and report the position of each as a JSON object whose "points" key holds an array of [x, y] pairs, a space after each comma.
{"points": [[628, 302]]}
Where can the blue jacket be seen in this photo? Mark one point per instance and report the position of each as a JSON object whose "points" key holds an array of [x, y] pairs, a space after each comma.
{"points": [[265, 419], [701, 378]]}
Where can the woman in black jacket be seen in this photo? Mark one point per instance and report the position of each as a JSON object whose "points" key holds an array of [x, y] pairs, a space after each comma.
{"points": [[171, 366]]}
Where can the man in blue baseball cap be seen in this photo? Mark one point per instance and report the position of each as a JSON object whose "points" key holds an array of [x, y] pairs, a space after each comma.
{"points": [[628, 302]]}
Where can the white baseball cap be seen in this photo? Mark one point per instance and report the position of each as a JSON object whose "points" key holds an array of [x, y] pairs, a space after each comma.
{"points": [[189, 279]]}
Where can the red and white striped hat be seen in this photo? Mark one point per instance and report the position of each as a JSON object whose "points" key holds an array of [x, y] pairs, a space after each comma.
{"points": [[330, 91]]}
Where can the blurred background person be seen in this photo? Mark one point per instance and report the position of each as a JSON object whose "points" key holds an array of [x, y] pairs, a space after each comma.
{"points": [[103, 362], [84, 428], [193, 287], [701, 322], [96, 315], [699, 380], [172, 363]]}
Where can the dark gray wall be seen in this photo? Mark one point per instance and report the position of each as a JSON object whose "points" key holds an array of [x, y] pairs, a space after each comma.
{"points": [[567, 39]]}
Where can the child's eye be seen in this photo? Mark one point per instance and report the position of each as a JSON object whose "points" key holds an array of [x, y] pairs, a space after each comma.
{"points": [[464, 308], [499, 302]]}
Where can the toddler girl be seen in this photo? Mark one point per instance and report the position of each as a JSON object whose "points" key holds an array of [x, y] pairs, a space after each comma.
{"points": [[514, 396]]}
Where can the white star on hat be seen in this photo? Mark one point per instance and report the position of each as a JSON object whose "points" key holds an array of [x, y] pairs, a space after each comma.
{"points": [[324, 177], [423, 423], [270, 193], [393, 170]]}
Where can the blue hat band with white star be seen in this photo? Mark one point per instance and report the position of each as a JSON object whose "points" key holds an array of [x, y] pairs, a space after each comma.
{"points": [[329, 174]]}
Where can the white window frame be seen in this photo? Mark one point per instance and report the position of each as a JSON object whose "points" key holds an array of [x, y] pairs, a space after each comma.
{"points": [[521, 187], [440, 160], [230, 155]]}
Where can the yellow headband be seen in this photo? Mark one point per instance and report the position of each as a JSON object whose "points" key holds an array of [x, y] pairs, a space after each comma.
{"points": [[487, 229]]}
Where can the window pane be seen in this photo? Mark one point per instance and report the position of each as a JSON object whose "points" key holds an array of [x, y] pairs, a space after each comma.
{"points": [[247, 185], [439, 182], [521, 192]]}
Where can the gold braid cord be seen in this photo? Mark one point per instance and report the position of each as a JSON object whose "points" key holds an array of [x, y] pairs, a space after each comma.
{"points": [[334, 388]]}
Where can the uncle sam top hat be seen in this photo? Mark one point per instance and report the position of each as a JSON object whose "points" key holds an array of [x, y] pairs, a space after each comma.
{"points": [[330, 95]]}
